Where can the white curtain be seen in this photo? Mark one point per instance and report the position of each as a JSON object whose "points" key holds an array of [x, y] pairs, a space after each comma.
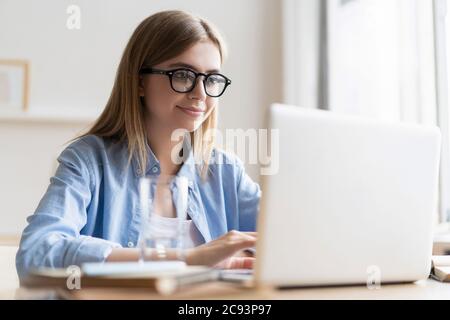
{"points": [[381, 59], [301, 52]]}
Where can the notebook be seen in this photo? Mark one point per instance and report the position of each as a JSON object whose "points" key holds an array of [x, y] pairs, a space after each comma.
{"points": [[163, 277]]}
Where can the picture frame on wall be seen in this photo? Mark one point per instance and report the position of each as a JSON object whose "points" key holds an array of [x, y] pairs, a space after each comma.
{"points": [[13, 85]]}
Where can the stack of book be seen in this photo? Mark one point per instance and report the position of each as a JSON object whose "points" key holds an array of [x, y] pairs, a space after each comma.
{"points": [[440, 268]]}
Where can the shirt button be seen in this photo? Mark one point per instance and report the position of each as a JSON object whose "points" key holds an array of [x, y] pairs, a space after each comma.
{"points": [[130, 244], [138, 171], [155, 169]]}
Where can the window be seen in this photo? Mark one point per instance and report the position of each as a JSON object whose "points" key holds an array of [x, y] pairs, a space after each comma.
{"points": [[442, 36], [379, 58]]}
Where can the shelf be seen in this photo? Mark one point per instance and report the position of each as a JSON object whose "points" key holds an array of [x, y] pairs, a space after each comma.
{"points": [[64, 116]]}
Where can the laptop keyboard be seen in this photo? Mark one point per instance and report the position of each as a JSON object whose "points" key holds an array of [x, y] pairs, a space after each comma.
{"points": [[236, 275]]}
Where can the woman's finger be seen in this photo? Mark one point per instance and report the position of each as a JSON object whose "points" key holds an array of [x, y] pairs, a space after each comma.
{"points": [[241, 244], [251, 233], [240, 263], [241, 236], [247, 233]]}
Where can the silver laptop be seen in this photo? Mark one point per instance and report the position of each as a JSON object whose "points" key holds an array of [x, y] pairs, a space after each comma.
{"points": [[353, 202]]}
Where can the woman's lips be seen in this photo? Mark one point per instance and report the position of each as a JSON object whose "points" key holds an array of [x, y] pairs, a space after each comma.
{"points": [[193, 112]]}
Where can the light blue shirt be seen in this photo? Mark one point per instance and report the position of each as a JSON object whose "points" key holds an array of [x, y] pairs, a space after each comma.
{"points": [[92, 204]]}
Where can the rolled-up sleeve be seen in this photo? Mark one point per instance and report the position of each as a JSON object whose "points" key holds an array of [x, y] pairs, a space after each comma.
{"points": [[249, 194], [52, 237]]}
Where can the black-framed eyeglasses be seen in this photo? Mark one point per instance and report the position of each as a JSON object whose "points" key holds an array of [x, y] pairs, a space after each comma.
{"points": [[183, 80]]}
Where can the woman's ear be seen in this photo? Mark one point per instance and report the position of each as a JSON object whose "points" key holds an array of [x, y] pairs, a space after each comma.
{"points": [[141, 86]]}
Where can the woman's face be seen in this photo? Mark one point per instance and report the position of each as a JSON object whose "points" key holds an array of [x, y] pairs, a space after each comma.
{"points": [[174, 110]]}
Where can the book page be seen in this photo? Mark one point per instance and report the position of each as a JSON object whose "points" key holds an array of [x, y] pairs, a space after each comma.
{"points": [[440, 261]]}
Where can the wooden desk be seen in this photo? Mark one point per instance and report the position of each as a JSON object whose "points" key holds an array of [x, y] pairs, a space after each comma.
{"points": [[425, 289]]}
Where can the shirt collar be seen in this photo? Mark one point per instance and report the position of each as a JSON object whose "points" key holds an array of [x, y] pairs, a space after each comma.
{"points": [[188, 169], [152, 163]]}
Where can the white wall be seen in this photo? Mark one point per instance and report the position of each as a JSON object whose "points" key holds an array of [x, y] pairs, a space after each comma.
{"points": [[72, 71], [28, 158]]}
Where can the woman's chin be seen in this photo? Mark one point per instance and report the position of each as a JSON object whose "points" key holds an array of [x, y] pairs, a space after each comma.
{"points": [[191, 126]]}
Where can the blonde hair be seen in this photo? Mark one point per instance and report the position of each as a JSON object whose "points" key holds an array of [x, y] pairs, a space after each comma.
{"points": [[158, 38]]}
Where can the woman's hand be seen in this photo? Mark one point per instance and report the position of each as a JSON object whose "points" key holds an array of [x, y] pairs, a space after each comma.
{"points": [[222, 252]]}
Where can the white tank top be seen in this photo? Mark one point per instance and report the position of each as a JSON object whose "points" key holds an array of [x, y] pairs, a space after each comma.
{"points": [[167, 227]]}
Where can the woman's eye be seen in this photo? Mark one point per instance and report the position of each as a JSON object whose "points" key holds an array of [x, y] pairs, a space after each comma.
{"points": [[215, 80], [181, 75], [184, 75]]}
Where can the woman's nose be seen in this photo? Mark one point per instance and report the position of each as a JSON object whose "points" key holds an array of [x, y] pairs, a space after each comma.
{"points": [[199, 90]]}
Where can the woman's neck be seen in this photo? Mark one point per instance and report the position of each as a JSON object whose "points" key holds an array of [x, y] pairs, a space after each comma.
{"points": [[160, 141]]}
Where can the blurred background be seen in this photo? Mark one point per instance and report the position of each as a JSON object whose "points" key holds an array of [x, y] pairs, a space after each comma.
{"points": [[385, 59]]}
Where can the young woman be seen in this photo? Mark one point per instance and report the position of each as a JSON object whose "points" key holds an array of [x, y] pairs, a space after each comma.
{"points": [[168, 78]]}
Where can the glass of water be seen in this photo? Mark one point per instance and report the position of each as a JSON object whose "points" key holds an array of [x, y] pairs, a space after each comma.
{"points": [[163, 202]]}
